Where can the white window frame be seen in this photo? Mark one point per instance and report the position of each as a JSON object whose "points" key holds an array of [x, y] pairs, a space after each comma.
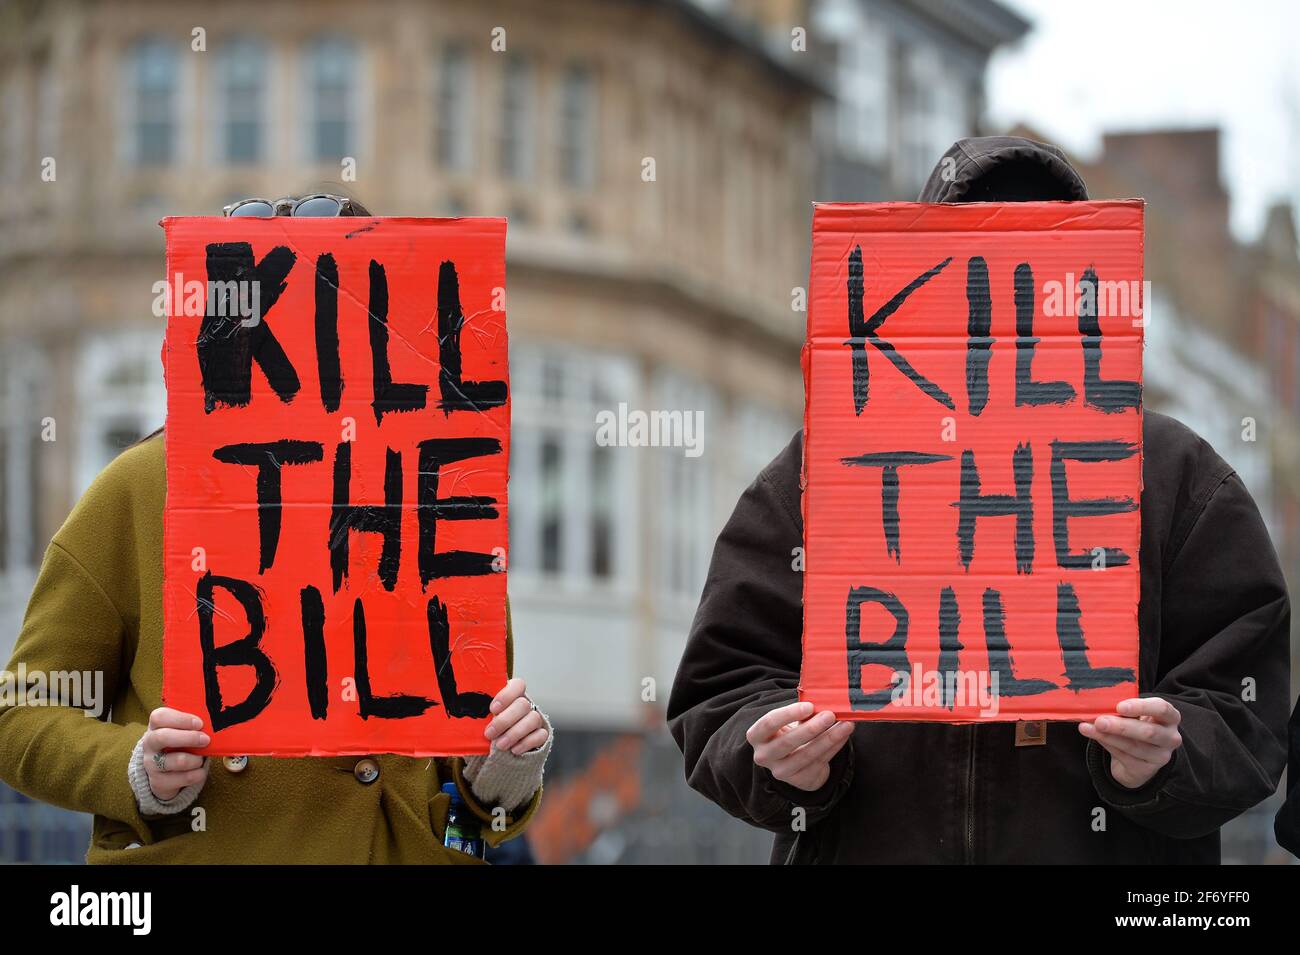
{"points": [[24, 398], [572, 418], [684, 534], [101, 405], [759, 432], [916, 120], [862, 113]]}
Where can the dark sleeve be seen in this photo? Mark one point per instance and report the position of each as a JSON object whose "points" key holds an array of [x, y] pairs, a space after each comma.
{"points": [[742, 658], [1224, 662], [1287, 824]]}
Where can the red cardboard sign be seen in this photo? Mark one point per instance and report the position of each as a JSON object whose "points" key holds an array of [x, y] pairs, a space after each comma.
{"points": [[338, 438], [973, 460]]}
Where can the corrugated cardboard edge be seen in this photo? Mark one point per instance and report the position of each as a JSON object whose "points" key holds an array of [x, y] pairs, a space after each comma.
{"points": [[1142, 442], [820, 208], [805, 361], [166, 224], [217, 750]]}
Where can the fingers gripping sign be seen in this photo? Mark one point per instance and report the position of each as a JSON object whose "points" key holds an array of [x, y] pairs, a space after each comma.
{"points": [[518, 725], [1141, 737], [169, 767], [796, 745]]}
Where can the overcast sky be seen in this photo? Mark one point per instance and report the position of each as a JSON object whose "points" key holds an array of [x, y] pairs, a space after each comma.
{"points": [[1130, 64]]}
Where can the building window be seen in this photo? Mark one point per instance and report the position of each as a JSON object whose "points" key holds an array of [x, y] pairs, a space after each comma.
{"points": [[579, 143], [1284, 345], [331, 100], [951, 119], [454, 119], [862, 116], [603, 505], [241, 99], [759, 433], [13, 126], [121, 397], [572, 501], [916, 104], [517, 131], [684, 533], [151, 102], [6, 494], [49, 107], [22, 396], [933, 113]]}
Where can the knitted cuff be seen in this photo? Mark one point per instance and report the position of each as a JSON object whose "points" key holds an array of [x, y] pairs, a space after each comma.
{"points": [[151, 805], [503, 779]]}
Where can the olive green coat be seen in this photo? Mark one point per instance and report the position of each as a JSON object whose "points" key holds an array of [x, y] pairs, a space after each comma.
{"points": [[97, 606]]}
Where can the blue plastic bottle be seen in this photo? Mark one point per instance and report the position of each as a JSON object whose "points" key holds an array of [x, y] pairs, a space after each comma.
{"points": [[464, 832]]}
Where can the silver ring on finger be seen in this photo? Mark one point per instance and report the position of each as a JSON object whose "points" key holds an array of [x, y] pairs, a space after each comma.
{"points": [[160, 760]]}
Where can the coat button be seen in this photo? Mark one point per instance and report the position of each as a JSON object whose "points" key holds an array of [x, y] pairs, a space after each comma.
{"points": [[366, 771], [236, 764]]}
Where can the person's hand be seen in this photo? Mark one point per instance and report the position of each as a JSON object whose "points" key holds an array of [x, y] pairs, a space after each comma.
{"points": [[795, 746], [170, 770], [1141, 738], [518, 726]]}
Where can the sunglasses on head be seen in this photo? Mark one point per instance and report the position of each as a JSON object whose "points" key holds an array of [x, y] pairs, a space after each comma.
{"points": [[318, 206]]}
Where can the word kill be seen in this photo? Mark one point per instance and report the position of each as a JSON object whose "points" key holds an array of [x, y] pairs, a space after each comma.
{"points": [[1105, 395], [228, 345]]}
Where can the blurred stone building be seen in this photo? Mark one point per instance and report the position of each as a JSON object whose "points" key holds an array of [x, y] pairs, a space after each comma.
{"points": [[656, 171], [656, 160], [908, 78], [1222, 344]]}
